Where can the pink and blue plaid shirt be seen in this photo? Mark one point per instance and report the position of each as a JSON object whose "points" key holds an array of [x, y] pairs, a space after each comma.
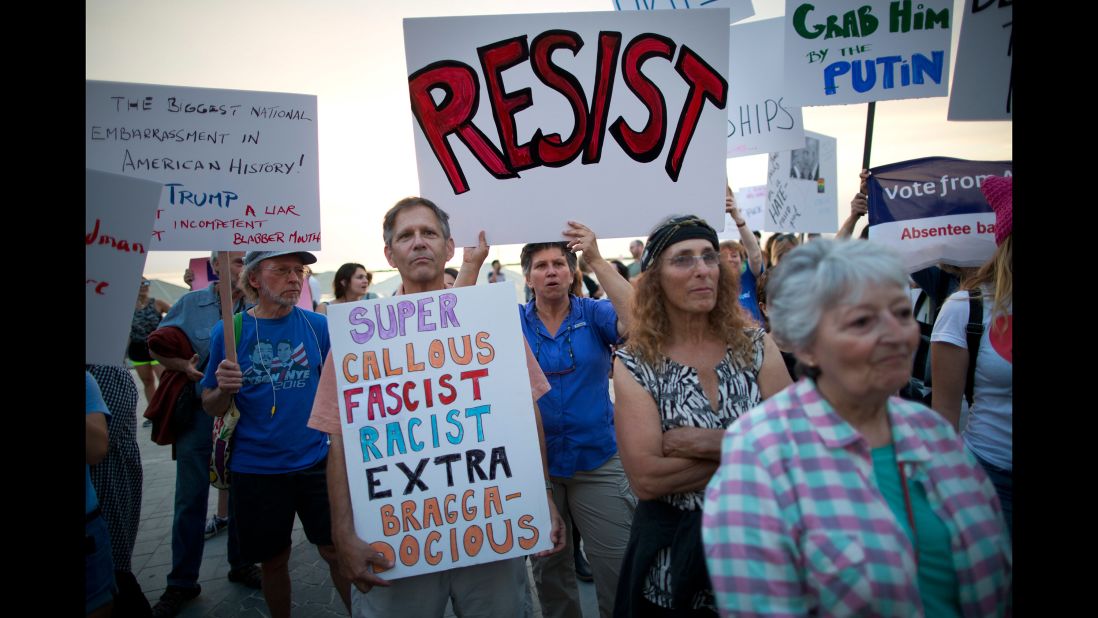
{"points": [[794, 525]]}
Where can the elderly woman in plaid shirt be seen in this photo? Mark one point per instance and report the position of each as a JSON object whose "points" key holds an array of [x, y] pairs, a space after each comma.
{"points": [[834, 497]]}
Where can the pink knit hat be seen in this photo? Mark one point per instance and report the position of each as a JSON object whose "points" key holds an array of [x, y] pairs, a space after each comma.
{"points": [[999, 191]]}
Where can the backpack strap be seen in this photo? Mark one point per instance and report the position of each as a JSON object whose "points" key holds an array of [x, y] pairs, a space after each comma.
{"points": [[238, 325], [974, 331]]}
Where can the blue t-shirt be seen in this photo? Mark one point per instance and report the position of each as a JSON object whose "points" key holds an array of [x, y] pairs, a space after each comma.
{"points": [[748, 297], [93, 404], [281, 361], [576, 413]]}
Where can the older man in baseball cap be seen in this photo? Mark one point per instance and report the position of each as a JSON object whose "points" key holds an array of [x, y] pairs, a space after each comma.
{"points": [[277, 463]]}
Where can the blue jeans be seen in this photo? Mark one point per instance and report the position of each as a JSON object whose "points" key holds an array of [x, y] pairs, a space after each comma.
{"points": [[192, 492], [1003, 480]]}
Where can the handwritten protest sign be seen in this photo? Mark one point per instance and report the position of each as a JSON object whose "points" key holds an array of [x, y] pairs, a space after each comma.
{"points": [[239, 168], [982, 85], [752, 203], [523, 122], [866, 50], [118, 215], [802, 187], [931, 210], [739, 9], [759, 118], [442, 450]]}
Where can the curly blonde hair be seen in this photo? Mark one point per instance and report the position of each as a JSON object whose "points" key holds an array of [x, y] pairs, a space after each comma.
{"points": [[651, 326]]}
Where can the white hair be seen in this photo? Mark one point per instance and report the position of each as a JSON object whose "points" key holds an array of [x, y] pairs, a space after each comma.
{"points": [[820, 275]]}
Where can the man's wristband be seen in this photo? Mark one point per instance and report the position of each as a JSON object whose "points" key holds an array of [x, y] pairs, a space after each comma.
{"points": [[741, 224]]}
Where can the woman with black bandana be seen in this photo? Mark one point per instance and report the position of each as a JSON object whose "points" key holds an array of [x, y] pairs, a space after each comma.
{"points": [[693, 364]]}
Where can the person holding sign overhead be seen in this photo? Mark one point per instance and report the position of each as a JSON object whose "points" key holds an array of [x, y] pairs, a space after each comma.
{"points": [[418, 244], [693, 364], [571, 337]]}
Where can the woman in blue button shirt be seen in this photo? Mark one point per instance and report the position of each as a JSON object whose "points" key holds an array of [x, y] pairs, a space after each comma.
{"points": [[571, 338]]}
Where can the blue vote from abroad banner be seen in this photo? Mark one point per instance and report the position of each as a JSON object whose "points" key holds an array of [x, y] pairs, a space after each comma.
{"points": [[438, 427], [931, 210]]}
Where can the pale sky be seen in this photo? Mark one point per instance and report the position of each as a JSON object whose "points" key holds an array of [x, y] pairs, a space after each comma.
{"points": [[350, 54]]}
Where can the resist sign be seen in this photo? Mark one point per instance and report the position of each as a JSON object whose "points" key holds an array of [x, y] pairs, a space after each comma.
{"points": [[442, 449], [523, 122], [239, 168]]}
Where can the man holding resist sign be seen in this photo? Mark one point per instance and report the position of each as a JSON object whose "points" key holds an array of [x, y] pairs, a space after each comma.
{"points": [[418, 244]]}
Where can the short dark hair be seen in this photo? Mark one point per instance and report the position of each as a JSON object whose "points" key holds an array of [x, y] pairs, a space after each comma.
{"points": [[528, 251], [388, 224], [623, 270], [453, 272]]}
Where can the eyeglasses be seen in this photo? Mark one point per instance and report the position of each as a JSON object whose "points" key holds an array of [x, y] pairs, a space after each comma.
{"points": [[687, 262], [283, 271], [571, 355]]}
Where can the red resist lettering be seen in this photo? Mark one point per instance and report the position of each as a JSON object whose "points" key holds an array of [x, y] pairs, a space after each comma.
{"points": [[460, 86]]}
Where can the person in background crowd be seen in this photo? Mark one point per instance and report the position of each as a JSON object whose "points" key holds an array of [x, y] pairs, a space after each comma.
{"points": [[743, 257], [496, 273], [594, 290], [987, 382], [783, 243], [636, 249], [449, 276], [571, 337], [278, 463], [350, 283], [859, 207], [835, 497], [99, 586], [692, 365], [117, 482], [418, 244], [314, 288], [787, 356], [623, 270], [147, 314], [182, 345]]}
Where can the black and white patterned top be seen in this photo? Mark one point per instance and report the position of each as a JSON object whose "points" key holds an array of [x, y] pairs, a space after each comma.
{"points": [[682, 402], [117, 478]]}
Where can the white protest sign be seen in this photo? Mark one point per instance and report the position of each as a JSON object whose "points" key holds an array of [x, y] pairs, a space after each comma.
{"points": [[442, 449], [523, 122], [802, 187], [752, 203], [739, 9], [118, 215], [982, 84], [759, 118], [850, 51], [239, 168]]}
